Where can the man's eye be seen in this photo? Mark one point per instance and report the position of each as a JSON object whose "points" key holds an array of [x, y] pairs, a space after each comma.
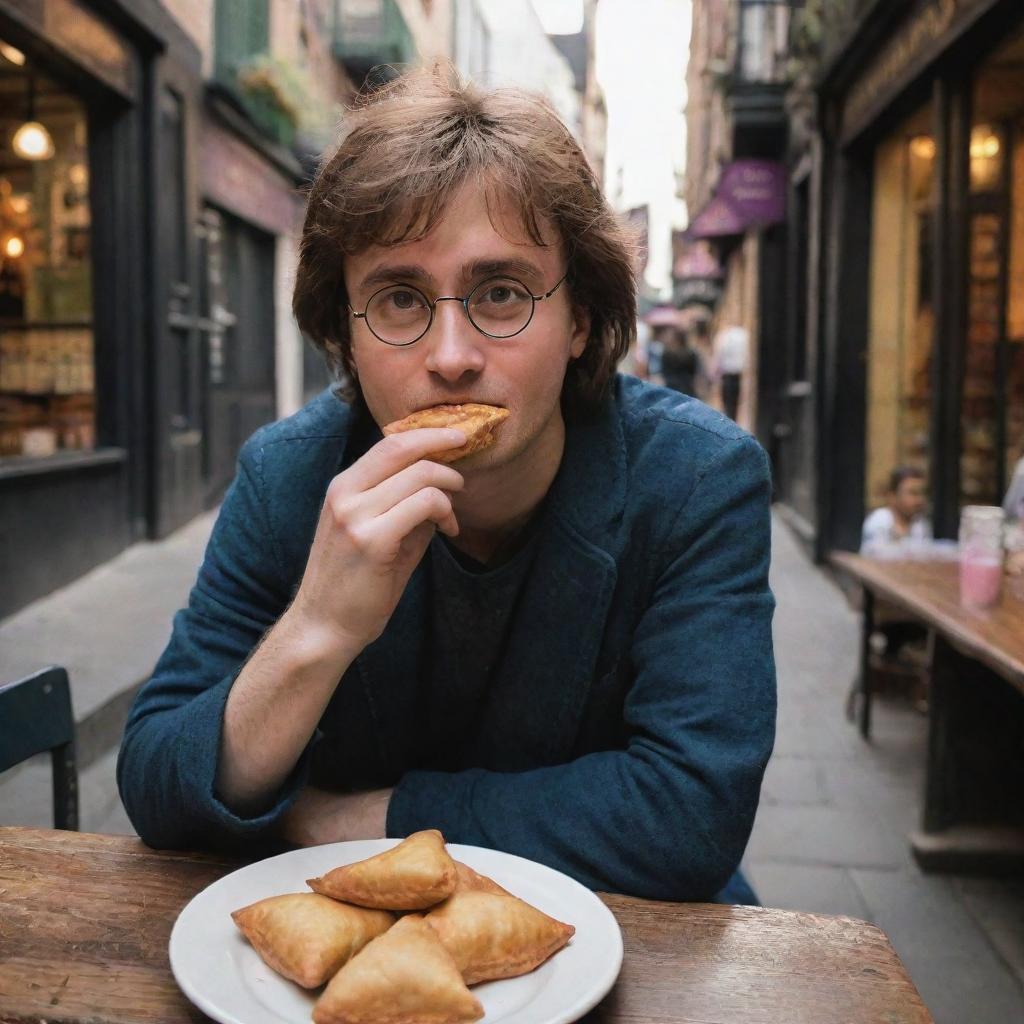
{"points": [[502, 294], [403, 299]]}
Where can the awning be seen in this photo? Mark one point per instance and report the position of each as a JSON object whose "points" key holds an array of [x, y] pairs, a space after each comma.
{"points": [[751, 193], [697, 261], [662, 316]]}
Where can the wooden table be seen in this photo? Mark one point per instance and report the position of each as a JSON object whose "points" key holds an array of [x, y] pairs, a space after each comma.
{"points": [[85, 921], [973, 816]]}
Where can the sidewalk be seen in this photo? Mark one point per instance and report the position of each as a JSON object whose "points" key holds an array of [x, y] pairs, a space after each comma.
{"points": [[831, 834], [107, 629]]}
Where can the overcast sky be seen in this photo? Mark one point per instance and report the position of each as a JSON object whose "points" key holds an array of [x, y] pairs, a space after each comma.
{"points": [[641, 65]]}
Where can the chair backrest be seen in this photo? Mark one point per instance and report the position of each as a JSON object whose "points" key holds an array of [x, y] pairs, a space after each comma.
{"points": [[35, 716]]}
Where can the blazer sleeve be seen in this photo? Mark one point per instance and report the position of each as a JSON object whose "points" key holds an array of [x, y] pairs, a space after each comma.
{"points": [[167, 765], [669, 816]]}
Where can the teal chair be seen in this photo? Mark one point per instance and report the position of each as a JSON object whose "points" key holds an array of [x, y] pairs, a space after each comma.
{"points": [[35, 717]]}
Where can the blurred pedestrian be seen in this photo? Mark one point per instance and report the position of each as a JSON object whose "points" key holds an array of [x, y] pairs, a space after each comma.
{"points": [[680, 363], [730, 360]]}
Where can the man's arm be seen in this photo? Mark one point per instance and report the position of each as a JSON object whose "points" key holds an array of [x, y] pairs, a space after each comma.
{"points": [[214, 745], [669, 816]]}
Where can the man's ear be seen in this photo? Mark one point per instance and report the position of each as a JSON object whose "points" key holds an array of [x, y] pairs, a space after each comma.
{"points": [[580, 331]]}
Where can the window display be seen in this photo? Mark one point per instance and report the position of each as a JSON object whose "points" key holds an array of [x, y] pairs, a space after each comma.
{"points": [[902, 325], [47, 378], [992, 411]]}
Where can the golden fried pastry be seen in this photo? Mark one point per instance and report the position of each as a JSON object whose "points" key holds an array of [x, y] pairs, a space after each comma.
{"points": [[477, 421], [404, 977], [470, 881], [307, 937], [492, 936], [414, 875]]}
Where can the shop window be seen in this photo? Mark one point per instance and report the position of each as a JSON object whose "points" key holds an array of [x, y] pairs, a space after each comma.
{"points": [[47, 386], [902, 323], [992, 410]]}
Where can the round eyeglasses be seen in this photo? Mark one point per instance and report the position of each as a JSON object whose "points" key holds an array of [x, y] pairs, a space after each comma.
{"points": [[500, 307]]}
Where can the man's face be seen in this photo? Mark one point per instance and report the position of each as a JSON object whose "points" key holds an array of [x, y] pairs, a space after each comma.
{"points": [[453, 362], [910, 498]]}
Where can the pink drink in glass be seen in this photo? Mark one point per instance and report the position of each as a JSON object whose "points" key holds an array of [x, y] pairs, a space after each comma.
{"points": [[981, 577]]}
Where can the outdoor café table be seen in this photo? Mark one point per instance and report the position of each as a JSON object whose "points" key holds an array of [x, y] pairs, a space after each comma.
{"points": [[85, 921], [973, 815]]}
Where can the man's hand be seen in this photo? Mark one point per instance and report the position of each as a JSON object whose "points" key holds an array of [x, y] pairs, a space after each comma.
{"points": [[376, 522], [319, 816], [1015, 563]]}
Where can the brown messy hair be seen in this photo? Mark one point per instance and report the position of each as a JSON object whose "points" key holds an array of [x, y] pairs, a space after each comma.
{"points": [[403, 154]]}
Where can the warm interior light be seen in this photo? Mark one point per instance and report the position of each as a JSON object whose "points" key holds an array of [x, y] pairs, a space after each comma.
{"points": [[12, 53], [14, 247], [984, 144], [32, 142], [77, 174], [20, 204], [923, 146]]}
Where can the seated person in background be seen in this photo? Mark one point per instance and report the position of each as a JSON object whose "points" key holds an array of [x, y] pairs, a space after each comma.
{"points": [[1013, 506], [901, 519], [557, 644], [899, 645]]}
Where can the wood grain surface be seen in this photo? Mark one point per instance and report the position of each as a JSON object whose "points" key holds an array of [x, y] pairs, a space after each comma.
{"points": [[85, 921], [930, 591]]}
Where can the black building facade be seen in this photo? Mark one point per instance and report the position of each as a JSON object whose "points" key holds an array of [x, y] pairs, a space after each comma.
{"points": [[905, 337], [101, 360]]}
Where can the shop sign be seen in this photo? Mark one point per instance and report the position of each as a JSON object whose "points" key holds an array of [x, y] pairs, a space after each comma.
{"points": [[920, 39], [83, 36], [752, 193], [696, 291]]}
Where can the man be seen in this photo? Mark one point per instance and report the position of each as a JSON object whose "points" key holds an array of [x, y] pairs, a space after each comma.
{"points": [[901, 519], [730, 349], [559, 646]]}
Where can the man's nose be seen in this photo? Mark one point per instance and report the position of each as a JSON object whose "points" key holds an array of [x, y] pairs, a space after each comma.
{"points": [[454, 346]]}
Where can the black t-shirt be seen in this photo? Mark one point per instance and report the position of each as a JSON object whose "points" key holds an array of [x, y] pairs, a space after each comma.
{"points": [[472, 607]]}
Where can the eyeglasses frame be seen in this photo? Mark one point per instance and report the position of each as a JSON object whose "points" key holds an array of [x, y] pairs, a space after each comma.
{"points": [[432, 304]]}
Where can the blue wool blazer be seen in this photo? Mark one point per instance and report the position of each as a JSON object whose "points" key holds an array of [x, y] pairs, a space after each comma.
{"points": [[630, 752]]}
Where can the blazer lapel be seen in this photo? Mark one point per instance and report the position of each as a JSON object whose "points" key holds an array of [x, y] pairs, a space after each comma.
{"points": [[540, 692]]}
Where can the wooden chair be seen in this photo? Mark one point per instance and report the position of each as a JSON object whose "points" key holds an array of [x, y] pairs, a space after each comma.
{"points": [[35, 716]]}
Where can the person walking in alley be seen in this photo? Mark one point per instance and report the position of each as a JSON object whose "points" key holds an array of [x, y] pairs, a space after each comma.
{"points": [[731, 347], [557, 644], [681, 364]]}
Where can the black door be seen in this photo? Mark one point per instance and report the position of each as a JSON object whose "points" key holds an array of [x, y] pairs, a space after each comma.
{"points": [[178, 386], [239, 327]]}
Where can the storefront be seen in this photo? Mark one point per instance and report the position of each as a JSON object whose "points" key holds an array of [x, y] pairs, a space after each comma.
{"points": [[915, 334], [97, 244]]}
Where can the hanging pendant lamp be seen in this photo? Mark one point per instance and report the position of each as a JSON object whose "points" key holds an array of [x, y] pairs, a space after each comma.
{"points": [[32, 141]]}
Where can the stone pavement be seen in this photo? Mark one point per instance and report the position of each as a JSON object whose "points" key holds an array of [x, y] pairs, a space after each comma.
{"points": [[835, 812], [831, 832]]}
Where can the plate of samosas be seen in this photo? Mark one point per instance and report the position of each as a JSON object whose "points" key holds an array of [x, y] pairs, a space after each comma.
{"points": [[387, 931]]}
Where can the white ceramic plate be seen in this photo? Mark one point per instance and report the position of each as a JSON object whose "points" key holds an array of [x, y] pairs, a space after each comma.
{"points": [[221, 973]]}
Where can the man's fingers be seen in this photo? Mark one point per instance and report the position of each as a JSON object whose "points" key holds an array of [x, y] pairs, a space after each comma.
{"points": [[429, 505], [396, 452], [404, 484]]}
